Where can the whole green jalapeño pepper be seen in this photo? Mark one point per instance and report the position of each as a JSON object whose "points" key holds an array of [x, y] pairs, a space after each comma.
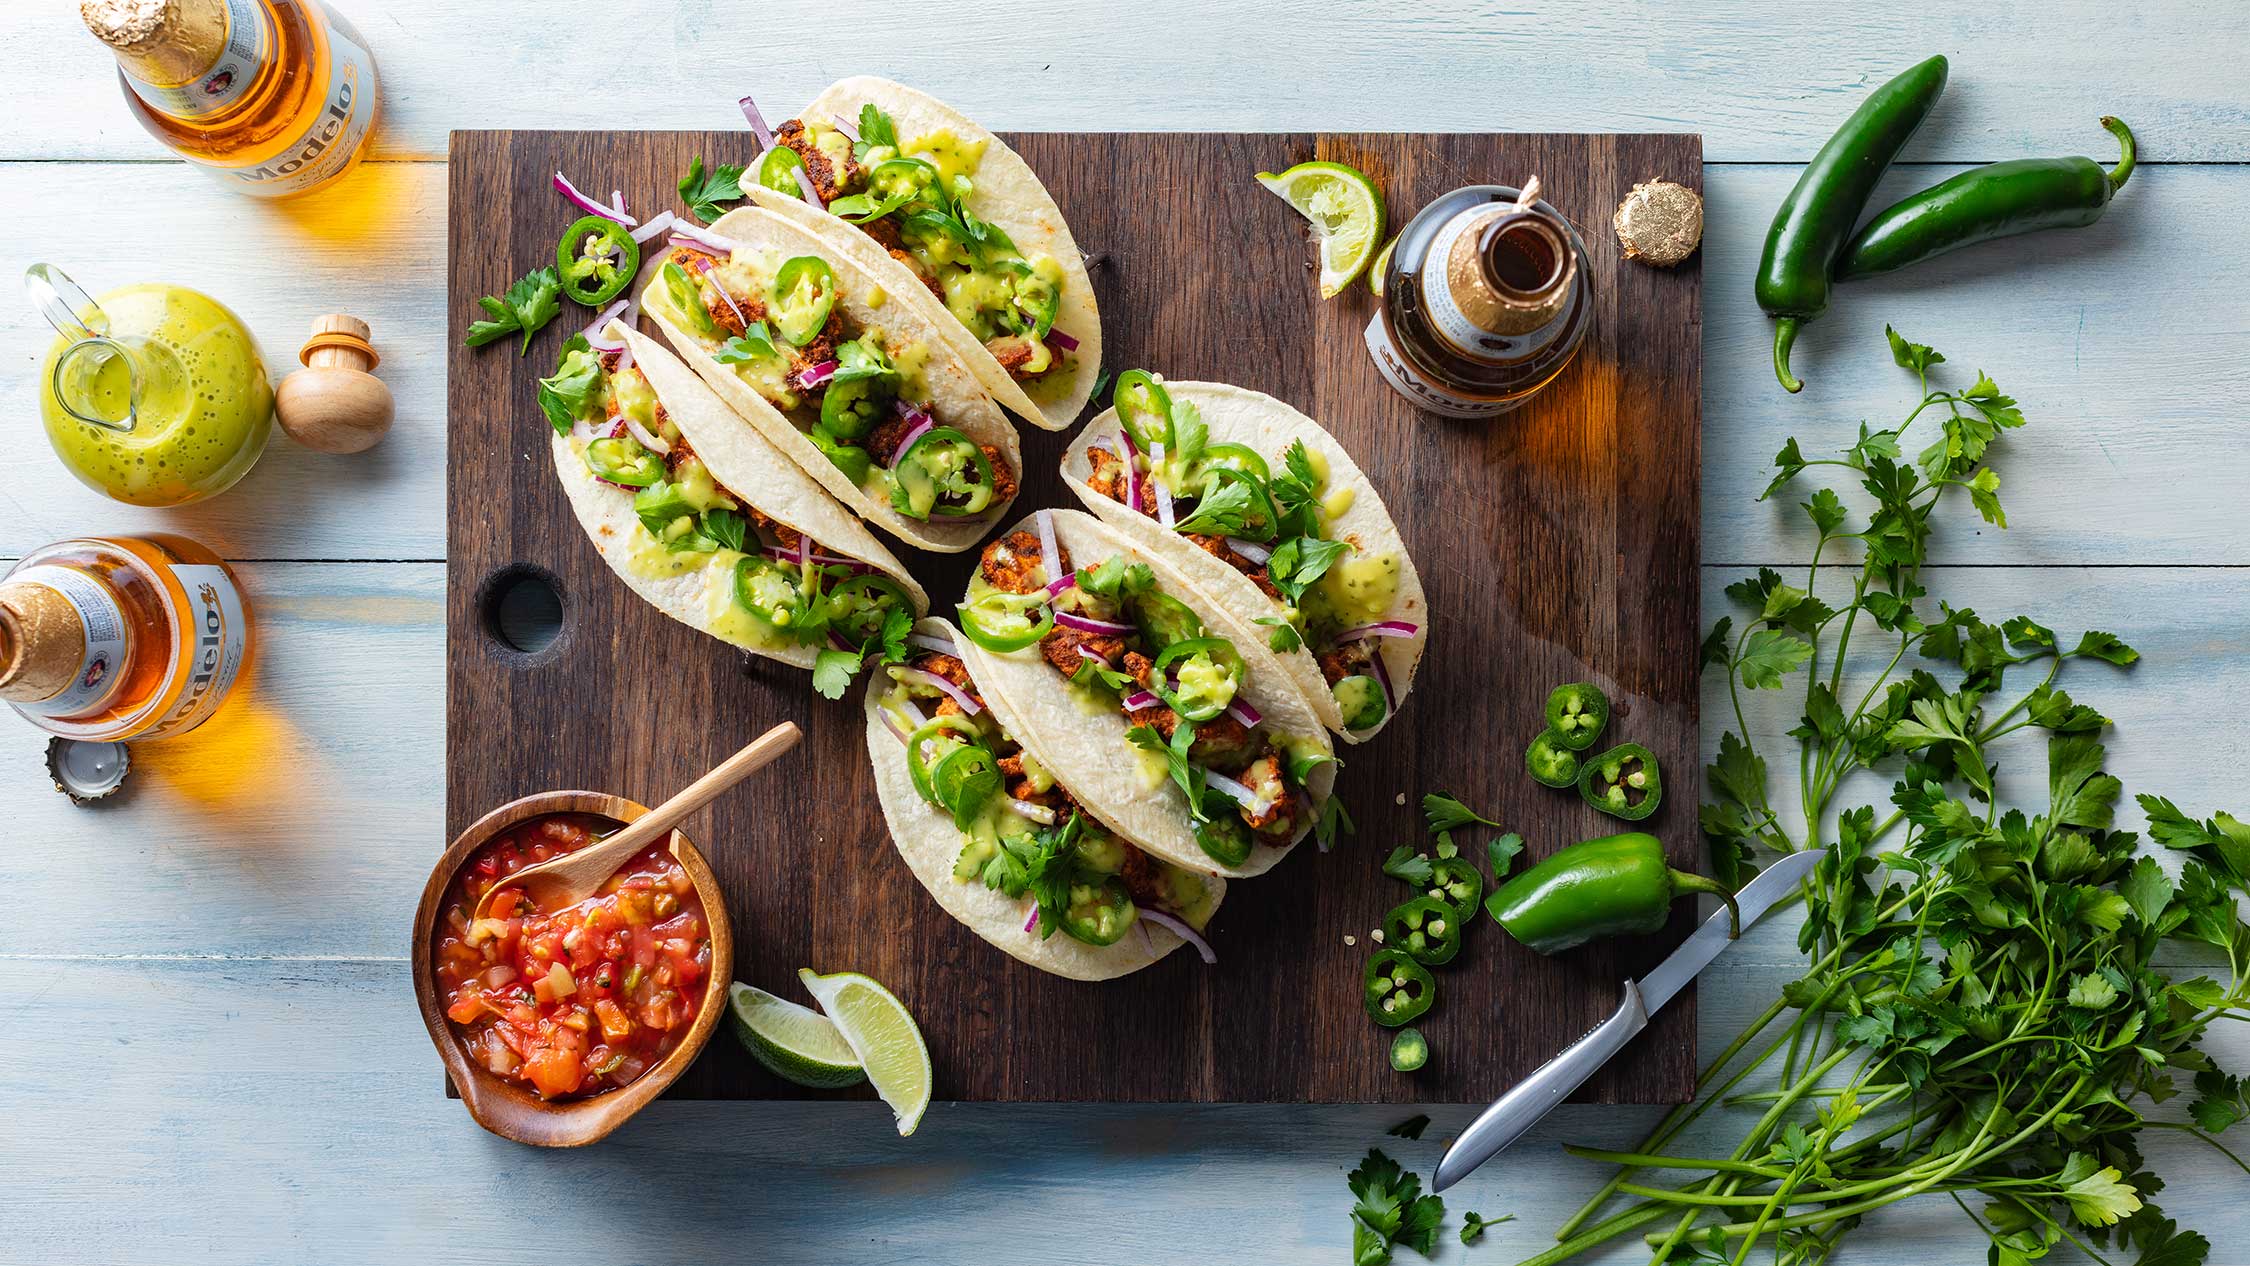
{"points": [[1994, 201], [1816, 219], [1604, 887], [1426, 928], [596, 259], [1396, 989], [1623, 782]]}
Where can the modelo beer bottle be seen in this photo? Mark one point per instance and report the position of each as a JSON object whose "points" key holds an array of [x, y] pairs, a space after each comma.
{"points": [[1485, 302], [274, 97]]}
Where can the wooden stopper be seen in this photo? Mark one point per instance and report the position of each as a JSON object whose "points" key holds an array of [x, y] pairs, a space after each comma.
{"points": [[42, 641], [335, 404]]}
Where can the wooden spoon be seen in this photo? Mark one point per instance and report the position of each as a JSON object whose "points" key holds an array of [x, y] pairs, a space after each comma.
{"points": [[573, 877]]}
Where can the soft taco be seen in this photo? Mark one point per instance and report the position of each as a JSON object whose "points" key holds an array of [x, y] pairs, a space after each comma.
{"points": [[1175, 733], [862, 392], [706, 520], [955, 223], [1002, 843], [1259, 507]]}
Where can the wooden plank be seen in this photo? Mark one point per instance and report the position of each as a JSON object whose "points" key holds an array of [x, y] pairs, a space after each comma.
{"points": [[2141, 424], [279, 1112], [2026, 80], [1548, 555]]}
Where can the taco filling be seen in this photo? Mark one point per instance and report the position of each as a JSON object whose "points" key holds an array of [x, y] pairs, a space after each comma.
{"points": [[1336, 597], [777, 587], [1021, 832], [1120, 642], [912, 196], [856, 393]]}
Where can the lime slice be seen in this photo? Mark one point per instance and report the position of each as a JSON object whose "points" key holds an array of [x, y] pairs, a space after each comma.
{"points": [[883, 1035], [1346, 212], [1381, 266], [795, 1043]]}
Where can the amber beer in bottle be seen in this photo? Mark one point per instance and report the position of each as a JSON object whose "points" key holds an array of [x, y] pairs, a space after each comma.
{"points": [[1485, 301], [274, 97], [121, 637]]}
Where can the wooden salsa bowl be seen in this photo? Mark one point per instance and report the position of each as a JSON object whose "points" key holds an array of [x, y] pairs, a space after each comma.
{"points": [[505, 1108]]}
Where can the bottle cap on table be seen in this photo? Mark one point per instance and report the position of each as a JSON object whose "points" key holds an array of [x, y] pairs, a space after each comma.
{"points": [[87, 771], [335, 404], [1660, 223]]}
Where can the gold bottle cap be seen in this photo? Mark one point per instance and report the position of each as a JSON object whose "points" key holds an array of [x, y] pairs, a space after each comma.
{"points": [[87, 771], [1659, 223], [167, 42], [41, 642]]}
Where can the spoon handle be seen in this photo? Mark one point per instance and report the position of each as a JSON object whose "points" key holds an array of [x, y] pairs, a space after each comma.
{"points": [[660, 820]]}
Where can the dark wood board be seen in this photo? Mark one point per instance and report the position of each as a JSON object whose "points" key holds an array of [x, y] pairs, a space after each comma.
{"points": [[1558, 543]]}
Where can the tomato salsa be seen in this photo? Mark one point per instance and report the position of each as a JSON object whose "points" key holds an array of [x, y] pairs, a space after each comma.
{"points": [[585, 998]]}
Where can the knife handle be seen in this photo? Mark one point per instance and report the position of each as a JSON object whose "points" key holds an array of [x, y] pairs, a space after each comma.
{"points": [[1513, 1115]]}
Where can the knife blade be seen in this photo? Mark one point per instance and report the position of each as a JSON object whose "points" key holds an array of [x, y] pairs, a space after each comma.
{"points": [[1512, 1115]]}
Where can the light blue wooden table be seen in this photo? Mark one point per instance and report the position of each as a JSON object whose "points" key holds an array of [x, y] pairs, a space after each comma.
{"points": [[208, 1046]]}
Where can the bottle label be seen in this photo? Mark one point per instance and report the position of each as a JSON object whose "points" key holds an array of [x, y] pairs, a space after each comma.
{"points": [[334, 136], [1411, 383], [243, 57], [101, 666], [1438, 303], [217, 640]]}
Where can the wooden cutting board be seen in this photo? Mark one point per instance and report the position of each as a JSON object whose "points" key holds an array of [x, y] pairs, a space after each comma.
{"points": [[1557, 544]]}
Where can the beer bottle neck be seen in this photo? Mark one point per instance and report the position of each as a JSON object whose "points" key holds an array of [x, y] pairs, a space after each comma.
{"points": [[42, 641], [1511, 271], [163, 43]]}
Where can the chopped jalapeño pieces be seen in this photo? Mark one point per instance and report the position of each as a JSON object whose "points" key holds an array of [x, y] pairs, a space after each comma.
{"points": [[1426, 929], [1396, 989], [596, 259], [1623, 782], [1409, 1050], [1549, 762], [1576, 713]]}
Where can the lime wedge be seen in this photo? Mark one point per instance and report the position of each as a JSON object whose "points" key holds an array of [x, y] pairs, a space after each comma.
{"points": [[883, 1035], [1381, 266], [1346, 213], [796, 1044]]}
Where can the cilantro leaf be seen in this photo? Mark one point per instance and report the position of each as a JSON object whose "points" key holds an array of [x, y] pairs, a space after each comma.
{"points": [[1501, 852], [1768, 654], [528, 305], [704, 191], [1389, 1209], [875, 128], [1444, 813], [726, 527], [1116, 578], [1333, 821], [1298, 562], [1474, 1223], [1220, 512], [2108, 648], [1915, 356], [1409, 867], [753, 344], [833, 672], [578, 391], [2097, 1197], [1284, 637], [1188, 777], [1411, 1127]]}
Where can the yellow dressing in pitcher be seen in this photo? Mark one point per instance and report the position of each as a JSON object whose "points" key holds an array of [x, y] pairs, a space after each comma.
{"points": [[201, 405]]}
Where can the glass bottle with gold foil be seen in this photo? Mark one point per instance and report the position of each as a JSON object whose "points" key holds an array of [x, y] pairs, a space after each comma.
{"points": [[275, 97], [121, 637], [1485, 301]]}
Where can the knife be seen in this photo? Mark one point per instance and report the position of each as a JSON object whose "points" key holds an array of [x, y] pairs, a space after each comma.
{"points": [[1514, 1113]]}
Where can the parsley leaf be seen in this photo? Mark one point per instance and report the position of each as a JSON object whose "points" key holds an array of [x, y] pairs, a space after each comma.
{"points": [[1220, 512], [1473, 1224], [1389, 1209], [1767, 655], [875, 128], [1409, 867], [703, 192], [833, 672], [1189, 777], [1501, 852], [1411, 1127], [1284, 637], [726, 527], [529, 304], [1333, 821], [753, 344], [1116, 578], [1915, 356], [1300, 561], [1444, 813], [578, 390]]}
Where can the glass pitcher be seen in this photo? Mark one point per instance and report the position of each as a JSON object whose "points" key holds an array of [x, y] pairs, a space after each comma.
{"points": [[154, 395]]}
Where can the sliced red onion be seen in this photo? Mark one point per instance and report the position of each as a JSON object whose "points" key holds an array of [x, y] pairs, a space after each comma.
{"points": [[1383, 679], [732, 306], [571, 195], [583, 430], [617, 199], [942, 645], [1241, 711], [1087, 624], [1231, 789], [968, 702], [616, 425], [1032, 920], [593, 332], [1179, 929], [817, 375], [702, 239], [804, 550], [1068, 581], [1085, 652], [1061, 340], [1164, 513], [758, 126], [656, 225], [779, 554], [1381, 628], [1256, 553], [842, 125], [891, 723], [1140, 699], [1039, 813], [1049, 557], [914, 432], [913, 713], [647, 439], [805, 187]]}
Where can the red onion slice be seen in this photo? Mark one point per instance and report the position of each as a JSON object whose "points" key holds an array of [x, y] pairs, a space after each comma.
{"points": [[1099, 658], [1061, 340], [1055, 587], [646, 438], [656, 225], [583, 430], [912, 713], [758, 126], [817, 374], [1231, 789], [805, 187], [968, 702], [1164, 513], [1256, 553], [702, 239], [914, 433], [1381, 628], [617, 199], [1383, 679], [593, 332], [571, 195], [1048, 555], [942, 645], [1087, 624], [1032, 920], [1241, 711], [781, 555], [1039, 813], [1140, 699], [844, 126], [1180, 929], [891, 723]]}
